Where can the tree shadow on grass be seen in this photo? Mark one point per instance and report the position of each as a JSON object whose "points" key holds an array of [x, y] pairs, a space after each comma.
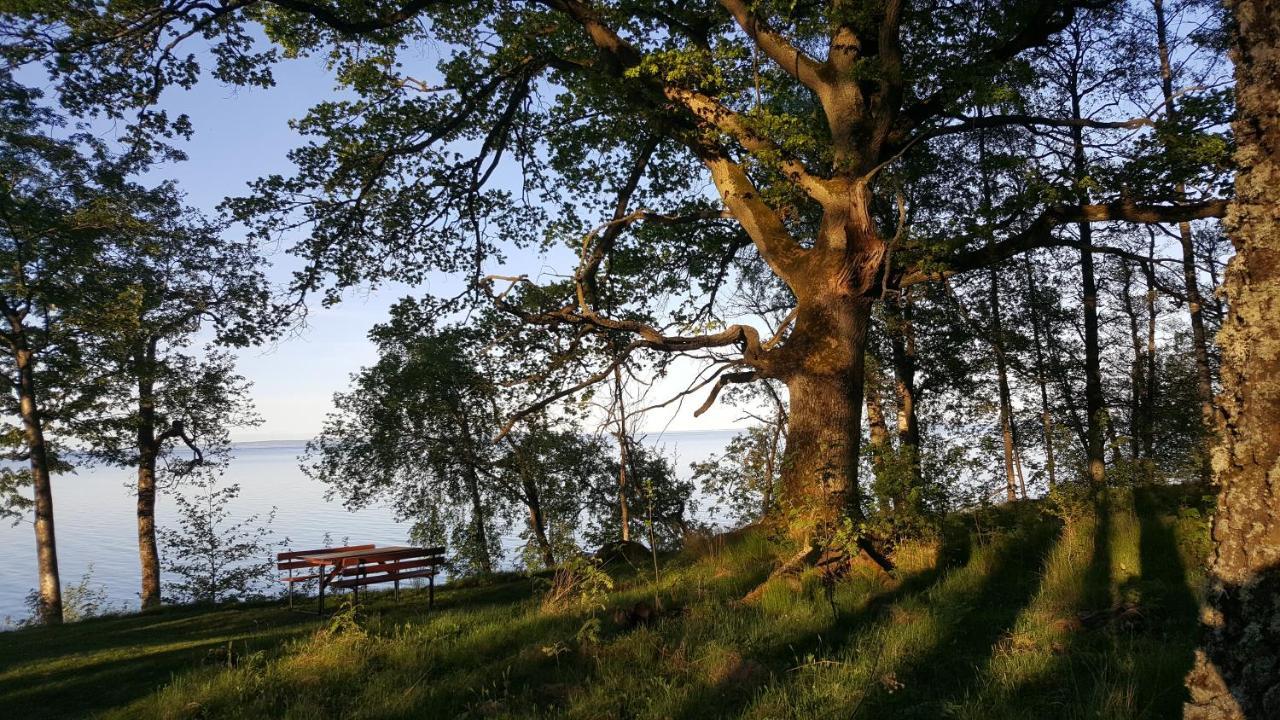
{"points": [[729, 698], [83, 684], [952, 662], [1170, 608]]}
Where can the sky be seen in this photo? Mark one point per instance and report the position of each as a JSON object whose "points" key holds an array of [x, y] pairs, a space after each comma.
{"points": [[242, 134]]}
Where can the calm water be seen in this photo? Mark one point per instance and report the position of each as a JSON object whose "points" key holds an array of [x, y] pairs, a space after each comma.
{"points": [[95, 522]]}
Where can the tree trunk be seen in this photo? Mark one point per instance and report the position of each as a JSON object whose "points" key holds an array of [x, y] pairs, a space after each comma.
{"points": [[148, 552], [1095, 409], [624, 457], [1006, 400], [1153, 385], [50, 609], [879, 431], [1237, 669], [1137, 369], [471, 477], [903, 340], [538, 523], [825, 385], [1199, 338], [1046, 415]]}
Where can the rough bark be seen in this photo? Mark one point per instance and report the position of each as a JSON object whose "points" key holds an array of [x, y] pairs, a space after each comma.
{"points": [[1237, 669], [820, 464]]}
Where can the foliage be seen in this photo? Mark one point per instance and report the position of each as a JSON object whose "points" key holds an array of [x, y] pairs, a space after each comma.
{"points": [[578, 582], [743, 481], [81, 600], [212, 556]]}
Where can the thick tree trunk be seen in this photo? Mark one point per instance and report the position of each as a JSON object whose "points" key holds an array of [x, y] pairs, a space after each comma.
{"points": [[148, 552], [825, 384], [1237, 669], [1199, 338], [50, 609]]}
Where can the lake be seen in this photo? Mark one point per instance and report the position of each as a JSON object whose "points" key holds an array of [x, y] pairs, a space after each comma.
{"points": [[94, 515]]}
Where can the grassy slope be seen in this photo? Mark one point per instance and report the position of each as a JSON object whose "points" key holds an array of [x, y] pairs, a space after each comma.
{"points": [[984, 627]]}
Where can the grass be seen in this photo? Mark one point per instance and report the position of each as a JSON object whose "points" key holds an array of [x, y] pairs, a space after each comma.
{"points": [[986, 624]]}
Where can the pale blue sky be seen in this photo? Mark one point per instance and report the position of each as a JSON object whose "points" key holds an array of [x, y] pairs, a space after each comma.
{"points": [[242, 134]]}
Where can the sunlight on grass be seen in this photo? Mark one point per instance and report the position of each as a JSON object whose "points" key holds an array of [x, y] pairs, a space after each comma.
{"points": [[1013, 614]]}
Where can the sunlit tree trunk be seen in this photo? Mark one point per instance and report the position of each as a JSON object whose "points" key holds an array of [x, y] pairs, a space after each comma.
{"points": [[50, 608], [148, 551], [1046, 414], [1237, 669]]}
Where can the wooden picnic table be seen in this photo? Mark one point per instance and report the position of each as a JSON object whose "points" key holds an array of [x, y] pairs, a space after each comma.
{"points": [[367, 565]]}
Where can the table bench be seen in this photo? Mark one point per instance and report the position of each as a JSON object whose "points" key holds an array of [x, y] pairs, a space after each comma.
{"points": [[360, 566], [288, 562]]}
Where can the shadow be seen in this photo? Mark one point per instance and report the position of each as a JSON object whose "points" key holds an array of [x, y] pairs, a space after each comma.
{"points": [[76, 687], [1169, 606], [954, 659], [1240, 677], [988, 610]]}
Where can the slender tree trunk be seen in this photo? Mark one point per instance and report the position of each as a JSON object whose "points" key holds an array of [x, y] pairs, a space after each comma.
{"points": [[771, 466], [1095, 408], [538, 522], [471, 478], [1002, 382], [624, 456], [50, 609], [1046, 415], [1137, 369], [1237, 669], [148, 551], [1153, 385], [879, 430], [902, 337], [1199, 338]]}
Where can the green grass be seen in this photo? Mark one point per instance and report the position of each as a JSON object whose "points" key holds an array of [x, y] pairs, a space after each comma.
{"points": [[983, 625]]}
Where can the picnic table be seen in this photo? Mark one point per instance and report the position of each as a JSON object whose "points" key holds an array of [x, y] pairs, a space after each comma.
{"points": [[355, 566]]}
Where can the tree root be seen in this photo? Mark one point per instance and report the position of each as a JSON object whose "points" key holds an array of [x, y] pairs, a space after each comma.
{"points": [[834, 564]]}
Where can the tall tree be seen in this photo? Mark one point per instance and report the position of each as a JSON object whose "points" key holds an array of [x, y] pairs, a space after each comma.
{"points": [[61, 201], [176, 277], [1237, 669]]}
